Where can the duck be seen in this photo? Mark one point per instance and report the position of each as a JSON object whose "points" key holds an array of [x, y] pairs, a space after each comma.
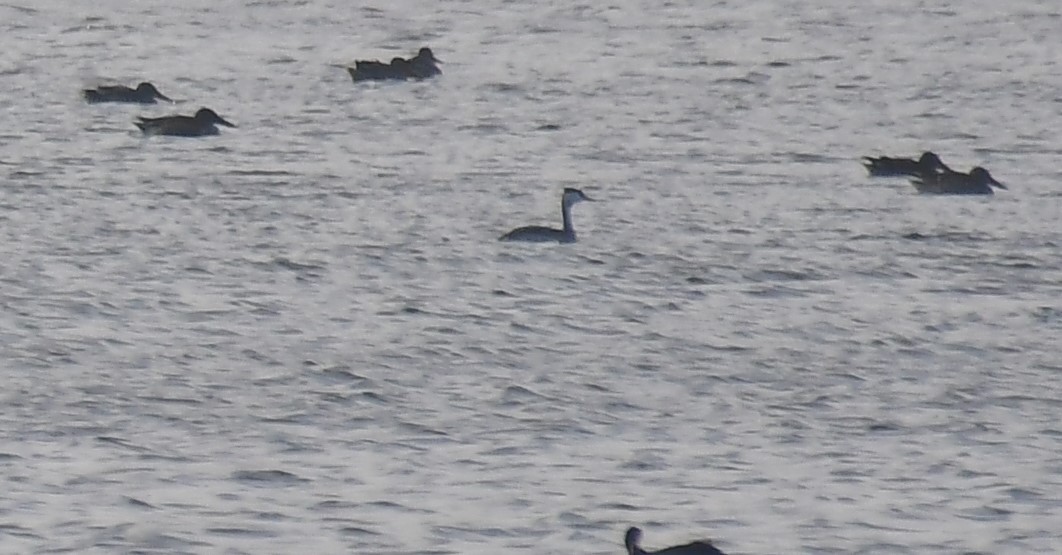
{"points": [[421, 66], [702, 547], [542, 234], [144, 93], [977, 182], [204, 122], [885, 166]]}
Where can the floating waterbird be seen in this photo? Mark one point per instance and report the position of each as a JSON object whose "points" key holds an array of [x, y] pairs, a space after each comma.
{"points": [[977, 182], [885, 166], [421, 66], [634, 537], [542, 234], [204, 122], [144, 93]]}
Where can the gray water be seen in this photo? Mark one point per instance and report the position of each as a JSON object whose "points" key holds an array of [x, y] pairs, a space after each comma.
{"points": [[301, 336]]}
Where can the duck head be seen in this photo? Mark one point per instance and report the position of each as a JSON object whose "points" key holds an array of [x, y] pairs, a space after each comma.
{"points": [[206, 115]]}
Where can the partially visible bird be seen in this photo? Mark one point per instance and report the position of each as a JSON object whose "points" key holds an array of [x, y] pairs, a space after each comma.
{"points": [[977, 182], [886, 166], [144, 93], [634, 537]]}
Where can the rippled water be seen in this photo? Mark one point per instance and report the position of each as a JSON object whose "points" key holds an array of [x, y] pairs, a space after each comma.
{"points": [[301, 336]]}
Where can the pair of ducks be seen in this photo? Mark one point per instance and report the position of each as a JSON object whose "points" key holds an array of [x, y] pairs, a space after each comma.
{"points": [[421, 66], [204, 122], [930, 175]]}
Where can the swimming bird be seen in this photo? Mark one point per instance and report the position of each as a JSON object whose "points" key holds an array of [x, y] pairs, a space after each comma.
{"points": [[977, 182], [421, 66], [144, 93], [204, 122], [634, 537], [541, 234], [885, 166]]}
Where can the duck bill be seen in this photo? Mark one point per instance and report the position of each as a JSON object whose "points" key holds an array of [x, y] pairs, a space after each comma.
{"points": [[222, 121], [992, 181], [161, 96]]}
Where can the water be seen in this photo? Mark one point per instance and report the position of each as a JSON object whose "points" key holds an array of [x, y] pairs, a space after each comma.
{"points": [[301, 336]]}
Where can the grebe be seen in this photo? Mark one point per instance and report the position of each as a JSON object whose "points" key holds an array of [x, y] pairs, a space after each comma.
{"points": [[634, 536], [144, 93], [927, 164], [977, 182], [542, 234], [204, 122]]}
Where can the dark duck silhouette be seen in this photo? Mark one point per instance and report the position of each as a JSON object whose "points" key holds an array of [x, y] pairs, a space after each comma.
{"points": [[421, 66], [144, 93], [634, 537], [885, 166], [977, 182], [204, 122]]}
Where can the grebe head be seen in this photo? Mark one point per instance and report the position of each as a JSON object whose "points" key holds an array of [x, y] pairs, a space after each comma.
{"points": [[572, 196], [632, 539]]}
